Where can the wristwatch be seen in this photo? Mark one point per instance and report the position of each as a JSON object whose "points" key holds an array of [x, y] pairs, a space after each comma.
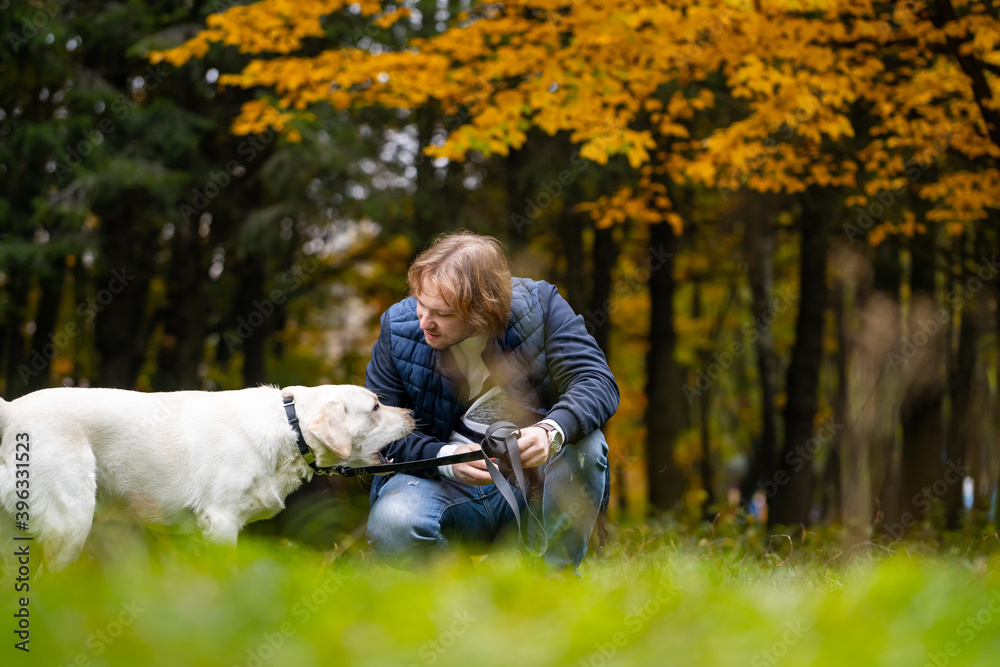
{"points": [[555, 437]]}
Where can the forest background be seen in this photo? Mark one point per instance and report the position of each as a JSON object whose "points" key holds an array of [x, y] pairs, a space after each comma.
{"points": [[778, 219]]}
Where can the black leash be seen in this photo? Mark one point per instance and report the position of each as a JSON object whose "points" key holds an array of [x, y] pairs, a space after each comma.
{"points": [[499, 442], [389, 468], [385, 468]]}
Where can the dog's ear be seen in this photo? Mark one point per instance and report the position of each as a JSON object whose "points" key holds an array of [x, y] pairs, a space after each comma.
{"points": [[329, 426]]}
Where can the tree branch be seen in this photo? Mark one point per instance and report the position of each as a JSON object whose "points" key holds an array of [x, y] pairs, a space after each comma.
{"points": [[973, 68]]}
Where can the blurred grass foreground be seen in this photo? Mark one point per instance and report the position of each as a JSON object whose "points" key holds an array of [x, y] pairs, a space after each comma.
{"points": [[651, 599]]}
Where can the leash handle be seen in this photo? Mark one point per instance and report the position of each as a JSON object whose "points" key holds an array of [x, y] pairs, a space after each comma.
{"points": [[504, 448]]}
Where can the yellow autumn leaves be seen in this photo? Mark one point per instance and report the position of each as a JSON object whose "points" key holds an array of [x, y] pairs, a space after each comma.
{"points": [[770, 95]]}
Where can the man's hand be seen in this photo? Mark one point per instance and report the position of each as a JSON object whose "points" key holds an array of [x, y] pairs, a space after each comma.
{"points": [[534, 446], [472, 472]]}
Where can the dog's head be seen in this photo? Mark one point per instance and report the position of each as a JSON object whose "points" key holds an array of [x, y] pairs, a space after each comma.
{"points": [[346, 424]]}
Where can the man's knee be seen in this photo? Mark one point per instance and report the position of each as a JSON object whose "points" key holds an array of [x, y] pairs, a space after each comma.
{"points": [[589, 453], [596, 446], [397, 523]]}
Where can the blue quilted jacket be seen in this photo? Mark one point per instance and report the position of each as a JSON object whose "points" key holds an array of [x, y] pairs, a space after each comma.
{"points": [[546, 361]]}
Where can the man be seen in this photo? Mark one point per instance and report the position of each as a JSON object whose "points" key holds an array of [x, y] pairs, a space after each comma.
{"points": [[469, 347]]}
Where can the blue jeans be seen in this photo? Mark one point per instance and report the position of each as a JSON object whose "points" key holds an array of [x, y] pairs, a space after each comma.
{"points": [[412, 515]]}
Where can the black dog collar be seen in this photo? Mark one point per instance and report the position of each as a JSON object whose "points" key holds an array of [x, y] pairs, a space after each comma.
{"points": [[293, 419]]}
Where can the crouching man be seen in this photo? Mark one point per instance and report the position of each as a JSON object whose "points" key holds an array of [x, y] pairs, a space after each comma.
{"points": [[472, 346]]}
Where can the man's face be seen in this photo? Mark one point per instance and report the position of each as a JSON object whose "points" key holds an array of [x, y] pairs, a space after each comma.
{"points": [[441, 323]]}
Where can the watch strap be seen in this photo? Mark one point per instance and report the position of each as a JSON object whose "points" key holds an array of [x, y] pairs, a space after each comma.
{"points": [[553, 435]]}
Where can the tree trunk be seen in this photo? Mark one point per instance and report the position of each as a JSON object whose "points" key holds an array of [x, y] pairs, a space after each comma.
{"points": [[431, 212], [960, 428], [182, 341], [759, 249], [118, 306], [18, 366], [604, 257], [793, 501], [663, 380], [704, 405], [705, 465], [891, 274], [43, 341], [843, 299], [980, 452], [251, 271], [923, 432], [571, 226], [888, 275], [519, 226], [988, 482], [923, 421]]}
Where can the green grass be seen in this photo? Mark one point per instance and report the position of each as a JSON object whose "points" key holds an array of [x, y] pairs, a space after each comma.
{"points": [[655, 598]]}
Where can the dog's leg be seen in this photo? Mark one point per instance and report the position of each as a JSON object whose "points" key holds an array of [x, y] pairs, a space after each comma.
{"points": [[68, 513], [8, 562], [219, 527]]}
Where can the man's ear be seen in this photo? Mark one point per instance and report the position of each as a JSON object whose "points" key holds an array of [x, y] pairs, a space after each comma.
{"points": [[329, 427]]}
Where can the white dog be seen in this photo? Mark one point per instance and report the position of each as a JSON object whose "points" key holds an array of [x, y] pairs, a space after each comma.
{"points": [[222, 458]]}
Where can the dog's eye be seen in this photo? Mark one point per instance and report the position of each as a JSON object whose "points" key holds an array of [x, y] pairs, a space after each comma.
{"points": [[375, 408]]}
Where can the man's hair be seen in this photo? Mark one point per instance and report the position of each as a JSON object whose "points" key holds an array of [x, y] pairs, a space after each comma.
{"points": [[472, 273]]}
